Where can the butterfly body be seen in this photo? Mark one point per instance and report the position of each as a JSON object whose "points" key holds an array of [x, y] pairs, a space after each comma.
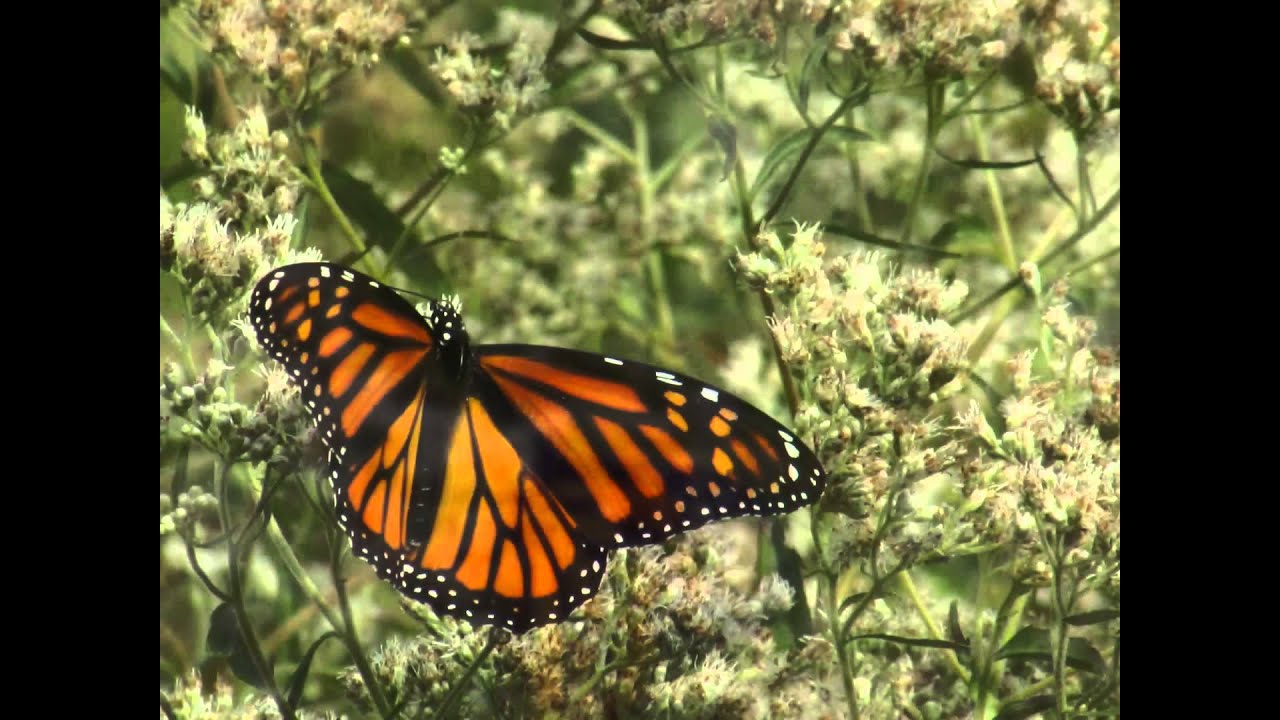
{"points": [[490, 481]]}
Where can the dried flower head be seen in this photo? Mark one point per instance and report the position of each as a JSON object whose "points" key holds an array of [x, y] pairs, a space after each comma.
{"points": [[278, 41]]}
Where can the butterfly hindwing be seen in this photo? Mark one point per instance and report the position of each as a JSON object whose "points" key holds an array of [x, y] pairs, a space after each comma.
{"points": [[357, 351], [497, 546], [636, 453]]}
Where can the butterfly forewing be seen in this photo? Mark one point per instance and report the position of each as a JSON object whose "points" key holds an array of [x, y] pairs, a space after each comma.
{"points": [[357, 352], [637, 453]]}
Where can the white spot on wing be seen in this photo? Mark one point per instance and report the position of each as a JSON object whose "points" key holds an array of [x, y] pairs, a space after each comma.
{"points": [[711, 395], [791, 450], [613, 361]]}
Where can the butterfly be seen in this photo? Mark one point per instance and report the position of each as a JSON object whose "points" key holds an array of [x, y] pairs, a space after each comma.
{"points": [[490, 481]]}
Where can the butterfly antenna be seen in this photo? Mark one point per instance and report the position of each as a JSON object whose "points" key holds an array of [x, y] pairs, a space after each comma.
{"points": [[424, 296], [406, 291]]}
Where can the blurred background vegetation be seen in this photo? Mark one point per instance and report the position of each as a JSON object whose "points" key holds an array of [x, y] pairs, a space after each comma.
{"points": [[892, 225]]}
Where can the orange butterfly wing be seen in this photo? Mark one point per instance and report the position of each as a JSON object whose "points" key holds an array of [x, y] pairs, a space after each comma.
{"points": [[359, 362], [499, 548], [489, 482], [636, 453], [425, 483]]}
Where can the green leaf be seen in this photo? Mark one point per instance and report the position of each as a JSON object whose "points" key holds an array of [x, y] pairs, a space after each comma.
{"points": [[299, 679], [179, 61], [790, 146], [1035, 644], [916, 642], [241, 663], [791, 569], [303, 215], [381, 225], [954, 631], [784, 150], [1084, 657], [945, 233], [1026, 708], [811, 62], [1092, 618], [224, 631], [409, 66], [727, 136], [173, 131], [1027, 641], [872, 239], [224, 640], [970, 164], [607, 43], [362, 205]]}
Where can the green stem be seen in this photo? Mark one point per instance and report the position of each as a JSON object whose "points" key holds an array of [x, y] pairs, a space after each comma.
{"points": [[183, 348], [749, 231], [814, 139], [1094, 221], [455, 692], [343, 625], [653, 261], [1059, 643], [1082, 175], [835, 627], [236, 591], [677, 161], [908, 585], [316, 175], [934, 100], [600, 135], [352, 639], [284, 553], [708, 104], [860, 206], [1051, 544], [1003, 234], [1086, 264], [842, 647], [1029, 691], [969, 97], [1015, 281], [1006, 626]]}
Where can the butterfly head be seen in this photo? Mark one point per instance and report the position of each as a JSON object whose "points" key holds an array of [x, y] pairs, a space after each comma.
{"points": [[444, 317]]}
